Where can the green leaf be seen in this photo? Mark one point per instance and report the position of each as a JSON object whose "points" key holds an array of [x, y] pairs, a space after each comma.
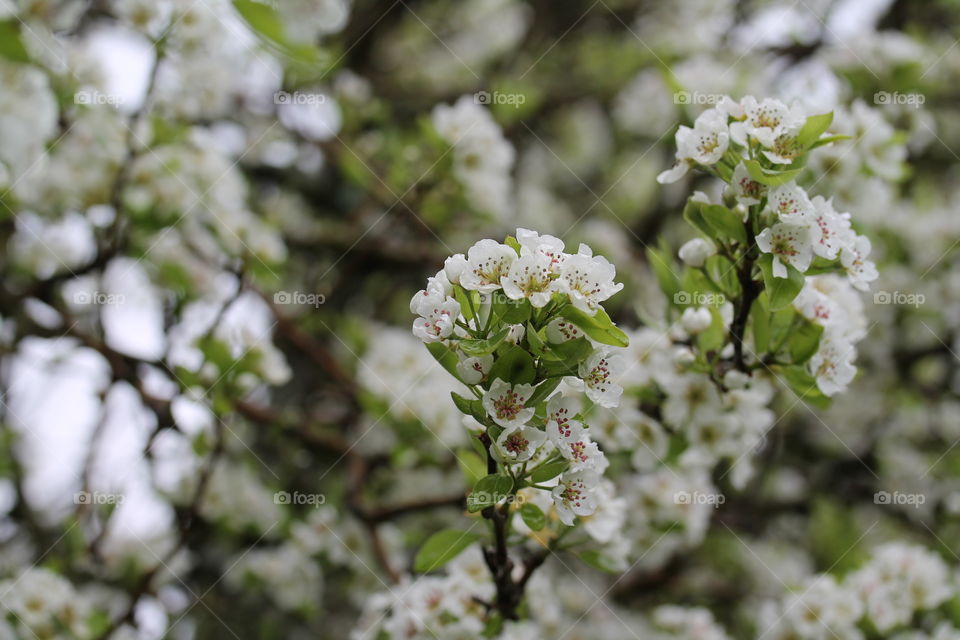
{"points": [[441, 548], [510, 311], [804, 342], [770, 178], [828, 140], [482, 347], [715, 335], [11, 44], [473, 466], [693, 213], [660, 262], [489, 491], [548, 471], [470, 407], [515, 366], [267, 22], [447, 358], [780, 291], [536, 342], [804, 385], [465, 297], [533, 516], [570, 352], [599, 326], [724, 222], [512, 242], [813, 128], [598, 560], [543, 390]]}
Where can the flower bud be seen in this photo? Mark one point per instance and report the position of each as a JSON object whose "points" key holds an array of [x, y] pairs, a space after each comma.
{"points": [[454, 266], [696, 319], [696, 251]]}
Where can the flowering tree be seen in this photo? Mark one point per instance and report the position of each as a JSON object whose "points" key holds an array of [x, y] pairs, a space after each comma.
{"points": [[686, 367]]}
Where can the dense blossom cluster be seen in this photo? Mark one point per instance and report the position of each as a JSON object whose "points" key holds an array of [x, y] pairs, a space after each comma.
{"points": [[899, 581], [760, 148], [532, 279]]}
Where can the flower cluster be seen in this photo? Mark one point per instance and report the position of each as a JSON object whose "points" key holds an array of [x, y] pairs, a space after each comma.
{"points": [[483, 158], [770, 223], [899, 581], [516, 320]]}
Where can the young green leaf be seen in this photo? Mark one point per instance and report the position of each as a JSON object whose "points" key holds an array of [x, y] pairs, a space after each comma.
{"points": [[769, 178], [804, 342], [548, 471], [514, 365], [481, 347], [489, 491], [599, 326], [780, 291], [813, 128], [533, 516], [441, 548]]}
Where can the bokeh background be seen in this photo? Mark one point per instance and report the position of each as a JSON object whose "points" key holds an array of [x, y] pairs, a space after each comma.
{"points": [[215, 420]]}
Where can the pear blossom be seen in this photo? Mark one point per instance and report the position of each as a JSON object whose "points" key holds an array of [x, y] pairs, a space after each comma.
{"points": [[831, 230], [518, 444], [574, 496], [790, 244], [765, 121], [530, 277], [473, 370], [853, 257], [438, 318], [454, 266], [791, 203], [588, 280], [487, 262], [831, 364], [562, 410], [746, 190], [704, 144], [506, 404], [532, 242], [598, 373]]}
